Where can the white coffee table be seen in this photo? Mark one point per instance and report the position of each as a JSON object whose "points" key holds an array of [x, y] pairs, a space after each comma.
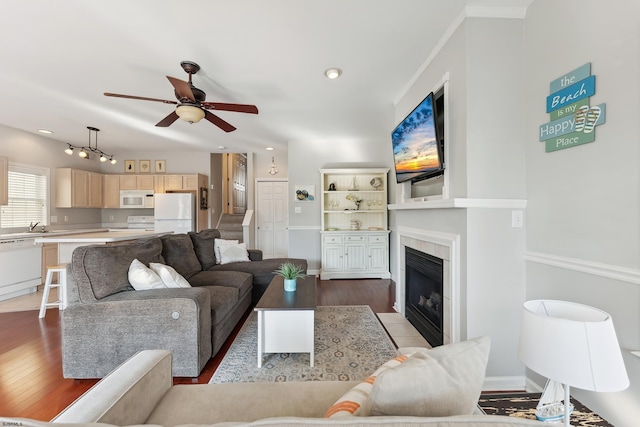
{"points": [[286, 319]]}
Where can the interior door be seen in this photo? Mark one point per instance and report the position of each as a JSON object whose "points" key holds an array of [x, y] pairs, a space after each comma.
{"points": [[237, 178], [272, 218]]}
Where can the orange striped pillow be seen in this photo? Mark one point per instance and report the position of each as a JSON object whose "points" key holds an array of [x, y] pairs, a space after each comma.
{"points": [[349, 404]]}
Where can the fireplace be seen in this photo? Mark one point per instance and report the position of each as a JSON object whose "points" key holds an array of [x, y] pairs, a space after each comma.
{"points": [[424, 302]]}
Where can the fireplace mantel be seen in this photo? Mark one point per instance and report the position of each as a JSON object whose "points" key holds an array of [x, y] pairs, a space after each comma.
{"points": [[458, 203]]}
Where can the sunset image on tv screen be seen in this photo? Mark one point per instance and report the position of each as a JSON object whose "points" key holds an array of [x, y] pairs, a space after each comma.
{"points": [[415, 147]]}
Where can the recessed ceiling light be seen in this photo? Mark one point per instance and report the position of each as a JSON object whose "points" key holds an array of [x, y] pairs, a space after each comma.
{"points": [[333, 73], [269, 148], [48, 132], [221, 147]]}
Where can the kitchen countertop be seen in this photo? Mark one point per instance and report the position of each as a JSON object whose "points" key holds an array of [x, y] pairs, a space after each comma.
{"points": [[99, 236], [36, 234]]}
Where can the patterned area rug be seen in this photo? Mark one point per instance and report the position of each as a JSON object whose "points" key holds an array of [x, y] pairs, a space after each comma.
{"points": [[350, 343], [523, 405]]}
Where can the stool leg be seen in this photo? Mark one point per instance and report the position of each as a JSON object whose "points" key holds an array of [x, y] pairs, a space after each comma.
{"points": [[45, 295], [62, 290]]}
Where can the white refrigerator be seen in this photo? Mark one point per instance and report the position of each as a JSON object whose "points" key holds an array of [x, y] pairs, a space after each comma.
{"points": [[174, 212]]}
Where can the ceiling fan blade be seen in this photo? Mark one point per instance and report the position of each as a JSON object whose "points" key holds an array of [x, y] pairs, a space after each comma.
{"points": [[227, 127], [182, 89], [142, 98], [240, 108], [167, 121]]}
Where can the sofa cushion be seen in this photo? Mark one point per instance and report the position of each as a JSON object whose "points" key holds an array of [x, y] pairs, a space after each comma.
{"points": [[178, 252], [169, 276], [143, 278], [233, 279], [203, 245], [217, 247], [351, 402], [234, 253], [224, 300], [106, 267], [424, 384]]}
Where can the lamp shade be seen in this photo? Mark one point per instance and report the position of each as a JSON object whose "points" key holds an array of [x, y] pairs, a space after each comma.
{"points": [[573, 344], [190, 113]]}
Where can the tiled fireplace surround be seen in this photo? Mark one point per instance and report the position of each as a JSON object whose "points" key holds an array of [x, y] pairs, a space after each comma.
{"points": [[442, 245]]}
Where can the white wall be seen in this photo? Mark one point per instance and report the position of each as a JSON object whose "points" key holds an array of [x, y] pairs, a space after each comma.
{"points": [[584, 202], [482, 59]]}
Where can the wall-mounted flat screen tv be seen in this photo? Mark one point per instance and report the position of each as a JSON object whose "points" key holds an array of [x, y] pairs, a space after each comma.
{"points": [[417, 149]]}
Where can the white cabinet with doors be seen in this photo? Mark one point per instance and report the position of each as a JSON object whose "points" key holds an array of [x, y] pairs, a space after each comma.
{"points": [[355, 238]]}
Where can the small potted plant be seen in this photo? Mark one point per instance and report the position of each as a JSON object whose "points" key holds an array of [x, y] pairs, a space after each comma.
{"points": [[290, 272]]}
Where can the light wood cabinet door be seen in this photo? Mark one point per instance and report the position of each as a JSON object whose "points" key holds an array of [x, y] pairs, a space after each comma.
{"points": [[172, 183], [79, 188], [190, 182], [111, 191], [145, 182], [49, 257], [158, 184], [95, 190], [4, 181], [128, 182]]}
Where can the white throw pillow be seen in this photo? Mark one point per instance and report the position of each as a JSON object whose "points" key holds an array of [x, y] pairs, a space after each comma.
{"points": [[424, 384], [220, 242], [169, 276], [143, 278], [234, 253]]}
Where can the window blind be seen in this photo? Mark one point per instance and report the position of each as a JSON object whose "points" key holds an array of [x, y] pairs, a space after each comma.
{"points": [[27, 197]]}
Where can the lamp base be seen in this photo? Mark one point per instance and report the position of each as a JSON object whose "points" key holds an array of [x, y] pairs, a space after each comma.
{"points": [[552, 412]]}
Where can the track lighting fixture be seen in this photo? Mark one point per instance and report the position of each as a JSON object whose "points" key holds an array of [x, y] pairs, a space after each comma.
{"points": [[85, 150]]}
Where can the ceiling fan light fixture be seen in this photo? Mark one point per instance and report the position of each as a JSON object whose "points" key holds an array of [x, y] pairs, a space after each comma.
{"points": [[190, 113], [333, 73]]}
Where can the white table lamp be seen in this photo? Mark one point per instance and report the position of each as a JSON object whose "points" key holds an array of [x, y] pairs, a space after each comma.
{"points": [[572, 344]]}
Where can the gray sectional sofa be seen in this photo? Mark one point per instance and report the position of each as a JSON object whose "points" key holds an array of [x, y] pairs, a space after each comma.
{"points": [[107, 321]]}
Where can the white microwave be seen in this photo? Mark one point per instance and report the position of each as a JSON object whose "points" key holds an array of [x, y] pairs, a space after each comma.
{"points": [[136, 199]]}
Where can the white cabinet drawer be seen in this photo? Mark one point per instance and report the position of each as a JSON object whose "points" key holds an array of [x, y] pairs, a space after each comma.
{"points": [[331, 239], [352, 238], [377, 239]]}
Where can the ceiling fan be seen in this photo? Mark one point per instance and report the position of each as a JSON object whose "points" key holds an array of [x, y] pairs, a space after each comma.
{"points": [[191, 105]]}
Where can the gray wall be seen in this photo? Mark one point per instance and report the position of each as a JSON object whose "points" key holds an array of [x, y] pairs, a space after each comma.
{"points": [[584, 202]]}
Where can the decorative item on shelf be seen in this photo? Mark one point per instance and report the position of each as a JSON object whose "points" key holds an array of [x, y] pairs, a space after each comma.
{"points": [[354, 184], [145, 166], [376, 183], [85, 150], [355, 224], [290, 272], [355, 200], [332, 187], [273, 169], [161, 166], [129, 166]]}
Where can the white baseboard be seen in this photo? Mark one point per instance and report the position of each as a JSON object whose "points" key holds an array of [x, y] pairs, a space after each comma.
{"points": [[514, 383]]}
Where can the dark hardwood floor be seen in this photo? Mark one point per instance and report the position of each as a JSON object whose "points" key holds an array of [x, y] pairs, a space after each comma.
{"points": [[31, 383]]}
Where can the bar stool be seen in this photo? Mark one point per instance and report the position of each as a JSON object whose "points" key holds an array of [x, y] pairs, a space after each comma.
{"points": [[61, 269]]}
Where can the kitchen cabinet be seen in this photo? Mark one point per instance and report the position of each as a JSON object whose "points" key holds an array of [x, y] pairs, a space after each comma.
{"points": [[49, 257], [355, 237], [145, 182], [77, 188], [172, 183], [189, 182], [4, 181], [128, 182], [111, 191], [95, 190]]}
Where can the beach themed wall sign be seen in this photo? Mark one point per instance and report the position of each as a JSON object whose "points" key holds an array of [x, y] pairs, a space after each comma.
{"points": [[573, 119]]}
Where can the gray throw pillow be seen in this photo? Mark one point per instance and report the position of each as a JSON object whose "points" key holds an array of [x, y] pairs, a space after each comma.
{"points": [[442, 381]]}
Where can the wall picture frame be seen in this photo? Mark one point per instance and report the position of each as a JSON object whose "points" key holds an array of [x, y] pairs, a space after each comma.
{"points": [[161, 166], [129, 166], [204, 198], [145, 166], [305, 193]]}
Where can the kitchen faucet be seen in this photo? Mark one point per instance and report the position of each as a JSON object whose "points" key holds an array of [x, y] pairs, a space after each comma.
{"points": [[32, 225]]}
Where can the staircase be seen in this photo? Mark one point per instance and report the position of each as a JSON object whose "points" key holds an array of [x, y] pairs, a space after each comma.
{"points": [[230, 227]]}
